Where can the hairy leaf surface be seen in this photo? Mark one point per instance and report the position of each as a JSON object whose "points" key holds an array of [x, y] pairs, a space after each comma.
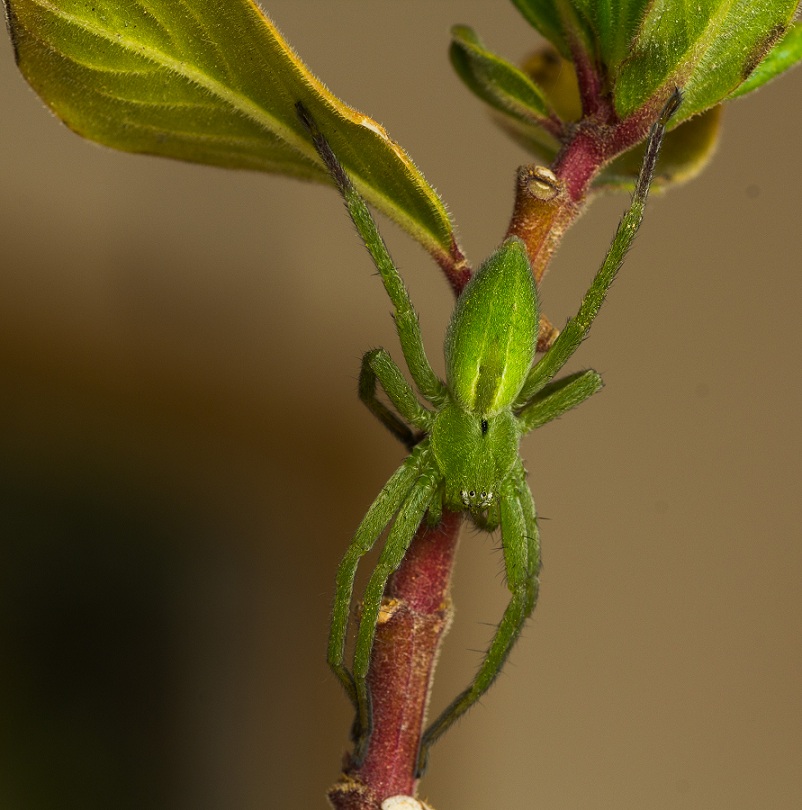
{"points": [[214, 82], [706, 47], [712, 49], [494, 80]]}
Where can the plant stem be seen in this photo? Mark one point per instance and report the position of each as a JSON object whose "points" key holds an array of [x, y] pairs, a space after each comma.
{"points": [[415, 616], [549, 201], [455, 267]]}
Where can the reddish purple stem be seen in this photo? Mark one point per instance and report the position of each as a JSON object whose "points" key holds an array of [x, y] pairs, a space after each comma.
{"points": [[416, 615]]}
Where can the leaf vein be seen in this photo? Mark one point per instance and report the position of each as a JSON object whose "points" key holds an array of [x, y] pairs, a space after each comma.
{"points": [[233, 99]]}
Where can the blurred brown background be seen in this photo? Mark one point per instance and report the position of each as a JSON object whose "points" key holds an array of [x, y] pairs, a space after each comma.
{"points": [[184, 460]]}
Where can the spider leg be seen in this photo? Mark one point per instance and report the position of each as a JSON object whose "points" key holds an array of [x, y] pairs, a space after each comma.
{"points": [[406, 319], [557, 397], [522, 562], [380, 513], [377, 366], [577, 327], [406, 524]]}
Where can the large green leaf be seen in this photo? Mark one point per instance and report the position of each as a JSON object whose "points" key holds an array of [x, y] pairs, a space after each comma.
{"points": [[210, 81], [706, 47], [645, 48], [784, 55]]}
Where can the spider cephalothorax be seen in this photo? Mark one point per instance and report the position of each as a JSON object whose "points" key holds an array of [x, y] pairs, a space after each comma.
{"points": [[473, 461], [464, 442]]}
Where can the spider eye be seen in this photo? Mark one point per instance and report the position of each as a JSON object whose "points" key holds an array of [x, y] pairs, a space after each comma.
{"points": [[484, 426], [472, 493]]}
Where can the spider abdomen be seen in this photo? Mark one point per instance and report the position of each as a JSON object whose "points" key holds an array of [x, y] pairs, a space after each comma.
{"points": [[490, 343]]}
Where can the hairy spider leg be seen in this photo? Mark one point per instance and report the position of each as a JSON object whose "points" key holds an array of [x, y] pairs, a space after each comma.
{"points": [[539, 402], [521, 547], [379, 515], [557, 397], [521, 544], [378, 366], [406, 319], [416, 498], [403, 530], [577, 327]]}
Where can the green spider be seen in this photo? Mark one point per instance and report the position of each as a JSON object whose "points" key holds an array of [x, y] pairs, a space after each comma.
{"points": [[464, 453]]}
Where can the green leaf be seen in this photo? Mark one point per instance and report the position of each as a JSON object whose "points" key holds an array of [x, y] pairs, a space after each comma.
{"points": [[784, 55], [614, 24], [209, 81], [686, 150], [544, 16], [712, 49], [606, 27], [708, 48], [556, 78], [495, 81]]}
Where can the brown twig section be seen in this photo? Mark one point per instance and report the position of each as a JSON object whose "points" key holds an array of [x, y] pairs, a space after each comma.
{"points": [[543, 212], [549, 200], [415, 616]]}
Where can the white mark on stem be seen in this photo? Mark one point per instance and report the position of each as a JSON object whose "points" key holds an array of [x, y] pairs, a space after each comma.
{"points": [[403, 803]]}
